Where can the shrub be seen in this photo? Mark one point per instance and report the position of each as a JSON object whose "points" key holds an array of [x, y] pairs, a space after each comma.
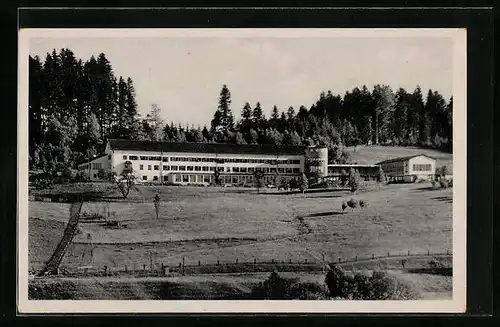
{"points": [[443, 183], [434, 184], [352, 203], [276, 287], [363, 286], [362, 203], [354, 180]]}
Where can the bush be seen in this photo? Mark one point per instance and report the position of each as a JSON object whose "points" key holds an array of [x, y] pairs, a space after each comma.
{"points": [[443, 183], [279, 288], [363, 286], [81, 176], [363, 204], [352, 203]]}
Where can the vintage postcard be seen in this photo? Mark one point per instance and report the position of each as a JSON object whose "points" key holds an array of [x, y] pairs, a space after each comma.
{"points": [[242, 170]]}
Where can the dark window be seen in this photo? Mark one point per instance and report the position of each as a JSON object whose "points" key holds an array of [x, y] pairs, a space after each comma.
{"points": [[155, 178], [236, 169], [125, 157], [198, 168], [296, 170], [149, 167], [190, 168], [281, 170], [165, 159], [132, 157], [182, 168], [144, 178], [212, 168], [109, 157], [95, 175], [141, 167], [156, 167], [173, 168], [144, 158], [205, 168], [165, 168]]}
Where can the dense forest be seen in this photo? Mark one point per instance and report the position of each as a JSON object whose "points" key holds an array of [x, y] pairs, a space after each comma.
{"points": [[74, 106]]}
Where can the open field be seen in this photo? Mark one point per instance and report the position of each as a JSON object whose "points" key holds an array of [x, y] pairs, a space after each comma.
{"points": [[372, 154], [205, 224]]}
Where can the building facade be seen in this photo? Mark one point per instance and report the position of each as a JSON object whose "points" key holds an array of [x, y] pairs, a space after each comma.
{"points": [[409, 169], [197, 163]]}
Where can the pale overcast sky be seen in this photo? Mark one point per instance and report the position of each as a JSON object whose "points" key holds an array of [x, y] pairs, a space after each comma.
{"points": [[184, 76]]}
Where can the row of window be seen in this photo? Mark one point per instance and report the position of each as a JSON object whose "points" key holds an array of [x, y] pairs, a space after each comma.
{"points": [[184, 178], [221, 169], [216, 160], [422, 167]]}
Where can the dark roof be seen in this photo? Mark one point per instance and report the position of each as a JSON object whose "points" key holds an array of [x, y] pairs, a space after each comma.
{"points": [[221, 148], [403, 159]]}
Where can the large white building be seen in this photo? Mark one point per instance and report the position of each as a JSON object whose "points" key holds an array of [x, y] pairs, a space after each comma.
{"points": [[196, 163], [410, 168]]}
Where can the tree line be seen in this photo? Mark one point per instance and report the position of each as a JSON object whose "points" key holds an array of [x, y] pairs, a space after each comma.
{"points": [[75, 105]]}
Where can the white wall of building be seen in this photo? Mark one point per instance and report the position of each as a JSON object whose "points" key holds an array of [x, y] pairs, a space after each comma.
{"points": [[96, 164], [422, 166], [119, 157]]}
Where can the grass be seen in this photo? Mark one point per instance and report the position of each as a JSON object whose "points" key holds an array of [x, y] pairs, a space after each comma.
{"points": [[372, 154], [236, 286], [43, 237], [206, 224]]}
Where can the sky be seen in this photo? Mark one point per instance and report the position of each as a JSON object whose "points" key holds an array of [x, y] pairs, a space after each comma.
{"points": [[184, 76]]}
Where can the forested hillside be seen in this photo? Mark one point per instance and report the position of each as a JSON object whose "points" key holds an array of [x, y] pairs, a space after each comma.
{"points": [[74, 105]]}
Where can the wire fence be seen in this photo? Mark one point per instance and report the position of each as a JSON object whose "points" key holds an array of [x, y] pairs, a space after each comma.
{"points": [[397, 260]]}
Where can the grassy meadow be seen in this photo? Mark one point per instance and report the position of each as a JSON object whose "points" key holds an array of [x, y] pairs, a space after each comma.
{"points": [[204, 224]]}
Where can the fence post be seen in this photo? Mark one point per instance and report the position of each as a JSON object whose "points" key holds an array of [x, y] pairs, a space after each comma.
{"points": [[272, 260], [447, 252], [143, 267], [217, 262], [199, 263], [236, 260], [356, 258], [290, 260], [373, 256], [340, 259], [183, 266], [428, 252], [126, 268], [408, 252], [305, 261], [388, 254], [254, 261]]}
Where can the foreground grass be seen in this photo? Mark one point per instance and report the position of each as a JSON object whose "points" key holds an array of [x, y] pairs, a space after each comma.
{"points": [[208, 287]]}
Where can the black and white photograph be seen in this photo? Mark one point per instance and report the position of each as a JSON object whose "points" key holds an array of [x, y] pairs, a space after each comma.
{"points": [[242, 170]]}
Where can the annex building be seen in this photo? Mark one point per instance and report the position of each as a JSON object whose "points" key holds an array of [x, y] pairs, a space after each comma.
{"points": [[196, 163], [408, 169]]}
